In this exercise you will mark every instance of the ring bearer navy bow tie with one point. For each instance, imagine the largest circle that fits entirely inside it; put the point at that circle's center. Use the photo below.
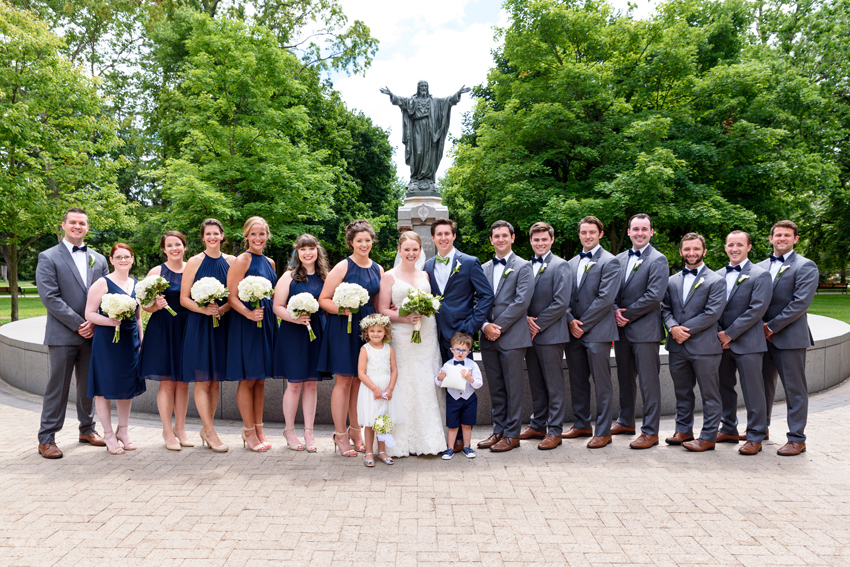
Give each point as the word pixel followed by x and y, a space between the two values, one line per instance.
pixel 693 272
pixel 536 259
pixel 583 255
pixel 458 362
pixel 777 258
pixel 634 253
pixel 442 260
pixel 503 261
pixel 82 248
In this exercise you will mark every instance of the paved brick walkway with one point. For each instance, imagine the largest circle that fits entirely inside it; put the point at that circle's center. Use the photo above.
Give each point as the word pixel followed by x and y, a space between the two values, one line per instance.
pixel 571 506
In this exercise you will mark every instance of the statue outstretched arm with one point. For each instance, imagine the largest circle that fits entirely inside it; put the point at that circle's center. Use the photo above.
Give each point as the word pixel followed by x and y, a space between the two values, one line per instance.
pixel 455 98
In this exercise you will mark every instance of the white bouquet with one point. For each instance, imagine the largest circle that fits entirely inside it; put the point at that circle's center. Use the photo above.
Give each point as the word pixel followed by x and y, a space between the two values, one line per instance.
pixel 253 289
pixel 303 304
pixel 118 306
pixel 383 427
pixel 422 303
pixel 148 289
pixel 350 296
pixel 206 291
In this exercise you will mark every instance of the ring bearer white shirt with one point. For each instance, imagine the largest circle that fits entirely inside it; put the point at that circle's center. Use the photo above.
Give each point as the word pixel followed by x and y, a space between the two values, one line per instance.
pixel 477 380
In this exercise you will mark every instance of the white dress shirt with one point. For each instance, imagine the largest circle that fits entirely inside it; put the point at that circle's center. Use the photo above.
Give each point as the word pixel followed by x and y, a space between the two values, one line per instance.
pixel 582 264
pixel 538 267
pixel 633 259
pixel 732 277
pixel 79 260
pixel 774 266
pixel 442 272
pixel 477 380
pixel 498 272
pixel 689 280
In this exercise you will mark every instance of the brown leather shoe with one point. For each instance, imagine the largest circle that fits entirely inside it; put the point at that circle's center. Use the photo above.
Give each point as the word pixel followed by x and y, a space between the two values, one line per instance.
pixel 726 438
pixel 529 433
pixel 750 448
pixel 93 439
pixel 458 446
pixel 50 451
pixel 699 445
pixel 574 433
pixel 598 442
pixel 679 438
pixel 644 441
pixel 790 449
pixel 620 429
pixel 550 442
pixel 505 444
pixel 490 441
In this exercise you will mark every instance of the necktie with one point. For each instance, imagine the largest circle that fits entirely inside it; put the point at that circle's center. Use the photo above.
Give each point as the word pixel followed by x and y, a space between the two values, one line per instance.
pixel 536 259
pixel 776 258
pixel 583 255
pixel 503 261
pixel 693 272
pixel 442 260
pixel 733 268
pixel 82 248
pixel 634 253
pixel 459 362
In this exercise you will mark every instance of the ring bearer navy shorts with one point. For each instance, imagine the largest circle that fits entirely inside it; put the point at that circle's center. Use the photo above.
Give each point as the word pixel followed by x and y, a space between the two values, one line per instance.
pixel 461 412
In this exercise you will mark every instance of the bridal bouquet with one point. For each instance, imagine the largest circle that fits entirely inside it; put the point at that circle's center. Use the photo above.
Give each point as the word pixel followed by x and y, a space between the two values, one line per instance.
pixel 421 303
pixel 382 427
pixel 254 289
pixel 303 304
pixel 148 289
pixel 350 296
pixel 206 291
pixel 118 306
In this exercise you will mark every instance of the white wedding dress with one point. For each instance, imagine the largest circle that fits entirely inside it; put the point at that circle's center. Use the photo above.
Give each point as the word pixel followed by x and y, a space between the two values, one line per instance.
pixel 422 432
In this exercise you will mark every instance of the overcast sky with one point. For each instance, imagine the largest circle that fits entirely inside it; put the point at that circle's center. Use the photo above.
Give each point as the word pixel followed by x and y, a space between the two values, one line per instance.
pixel 445 42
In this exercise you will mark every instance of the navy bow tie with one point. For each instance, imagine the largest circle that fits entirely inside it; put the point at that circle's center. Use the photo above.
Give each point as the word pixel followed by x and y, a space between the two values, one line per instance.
pixel 583 255
pixel 536 259
pixel 503 261
pixel 82 248
pixel 777 258
pixel 634 253
pixel 733 268
pixel 693 272
pixel 459 362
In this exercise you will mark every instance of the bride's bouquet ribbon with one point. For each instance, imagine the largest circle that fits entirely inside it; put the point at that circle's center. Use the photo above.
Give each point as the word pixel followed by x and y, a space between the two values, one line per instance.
pixel 118 306
pixel 148 289
pixel 421 303
pixel 350 296
pixel 303 304
pixel 253 289
pixel 384 425
pixel 206 291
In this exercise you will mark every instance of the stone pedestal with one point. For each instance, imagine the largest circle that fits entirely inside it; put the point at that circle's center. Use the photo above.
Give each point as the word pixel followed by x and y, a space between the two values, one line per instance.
pixel 417 214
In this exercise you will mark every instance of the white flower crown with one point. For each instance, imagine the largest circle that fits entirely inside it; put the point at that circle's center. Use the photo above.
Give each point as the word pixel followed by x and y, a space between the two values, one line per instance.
pixel 374 319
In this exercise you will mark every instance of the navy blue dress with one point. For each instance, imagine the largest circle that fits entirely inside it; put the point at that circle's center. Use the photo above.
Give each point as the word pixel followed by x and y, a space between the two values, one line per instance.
pixel 250 348
pixel 114 367
pixel 340 350
pixel 296 357
pixel 162 349
pixel 205 346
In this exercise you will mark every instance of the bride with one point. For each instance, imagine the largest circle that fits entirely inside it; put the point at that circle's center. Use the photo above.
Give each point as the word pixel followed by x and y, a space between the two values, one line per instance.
pixel 418 363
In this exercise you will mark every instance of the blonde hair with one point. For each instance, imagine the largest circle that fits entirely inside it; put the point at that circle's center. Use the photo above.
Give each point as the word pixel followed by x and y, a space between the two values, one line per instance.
pixel 378 320
pixel 246 228
pixel 409 235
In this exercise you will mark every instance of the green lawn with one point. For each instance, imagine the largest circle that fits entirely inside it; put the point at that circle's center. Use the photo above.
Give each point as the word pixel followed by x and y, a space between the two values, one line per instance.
pixel 27 307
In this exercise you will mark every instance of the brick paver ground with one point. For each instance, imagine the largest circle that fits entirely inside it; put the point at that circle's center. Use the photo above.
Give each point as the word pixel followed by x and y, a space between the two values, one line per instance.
pixel 571 506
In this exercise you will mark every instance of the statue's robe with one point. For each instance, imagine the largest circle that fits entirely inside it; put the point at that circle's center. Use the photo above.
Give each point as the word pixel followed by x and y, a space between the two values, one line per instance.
pixel 425 127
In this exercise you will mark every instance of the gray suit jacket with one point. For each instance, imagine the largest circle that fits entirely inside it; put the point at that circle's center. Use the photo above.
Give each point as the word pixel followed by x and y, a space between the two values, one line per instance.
pixel 550 301
pixel 513 296
pixel 641 295
pixel 745 307
pixel 793 292
pixel 699 312
pixel 593 302
pixel 64 294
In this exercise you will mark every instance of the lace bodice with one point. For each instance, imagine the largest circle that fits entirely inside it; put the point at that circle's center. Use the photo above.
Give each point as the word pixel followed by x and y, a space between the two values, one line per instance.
pixel 401 288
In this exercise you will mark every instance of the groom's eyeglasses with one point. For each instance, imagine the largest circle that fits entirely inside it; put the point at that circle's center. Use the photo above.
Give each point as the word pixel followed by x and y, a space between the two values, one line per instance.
pixel 460 350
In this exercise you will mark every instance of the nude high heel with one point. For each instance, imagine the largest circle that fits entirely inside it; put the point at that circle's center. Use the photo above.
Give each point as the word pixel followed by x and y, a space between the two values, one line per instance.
pixel 266 443
pixel 171 447
pixel 206 442
pixel 258 448
pixel 298 447
pixel 182 443
pixel 309 448
pixel 349 452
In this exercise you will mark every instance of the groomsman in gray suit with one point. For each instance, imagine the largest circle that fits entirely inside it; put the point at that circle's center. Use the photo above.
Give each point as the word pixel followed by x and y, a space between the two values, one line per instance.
pixel 643 280
pixel 748 291
pixel 63 277
pixel 596 280
pixel 795 281
pixel 505 337
pixel 547 325
pixel 692 305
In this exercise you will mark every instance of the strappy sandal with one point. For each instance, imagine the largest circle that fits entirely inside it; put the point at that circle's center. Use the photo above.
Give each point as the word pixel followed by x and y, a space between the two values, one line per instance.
pixel 387 461
pixel 128 445
pixel 362 448
pixel 258 448
pixel 298 447
pixel 367 461
pixel 266 443
pixel 118 450
pixel 347 453
pixel 309 448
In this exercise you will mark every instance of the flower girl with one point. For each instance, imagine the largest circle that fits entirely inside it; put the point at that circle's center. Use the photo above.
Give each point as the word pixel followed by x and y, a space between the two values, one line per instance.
pixel 378 374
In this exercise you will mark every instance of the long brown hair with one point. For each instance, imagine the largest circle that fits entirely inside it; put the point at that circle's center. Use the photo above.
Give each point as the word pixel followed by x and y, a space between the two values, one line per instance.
pixel 299 272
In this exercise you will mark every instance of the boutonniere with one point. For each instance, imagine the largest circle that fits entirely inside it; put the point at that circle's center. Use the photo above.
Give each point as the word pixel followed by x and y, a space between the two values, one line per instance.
pixel 456 270
pixel 589 265
pixel 91 262
pixel 508 271
pixel 782 269
pixel 742 278
pixel 696 285
pixel 637 265
pixel 542 268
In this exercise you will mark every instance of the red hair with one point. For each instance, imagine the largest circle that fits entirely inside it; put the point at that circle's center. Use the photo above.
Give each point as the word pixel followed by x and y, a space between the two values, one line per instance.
pixel 121 245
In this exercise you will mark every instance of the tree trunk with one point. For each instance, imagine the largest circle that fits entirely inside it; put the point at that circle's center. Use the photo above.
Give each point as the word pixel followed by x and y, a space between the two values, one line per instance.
pixel 10 255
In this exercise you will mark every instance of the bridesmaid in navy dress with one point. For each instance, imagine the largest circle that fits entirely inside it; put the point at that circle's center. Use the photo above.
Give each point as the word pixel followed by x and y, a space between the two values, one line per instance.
pixel 296 357
pixel 340 349
pixel 162 349
pixel 250 348
pixel 114 367
pixel 205 346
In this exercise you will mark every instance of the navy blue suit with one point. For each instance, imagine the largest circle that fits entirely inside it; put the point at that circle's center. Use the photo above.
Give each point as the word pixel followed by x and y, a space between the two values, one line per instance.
pixel 466 300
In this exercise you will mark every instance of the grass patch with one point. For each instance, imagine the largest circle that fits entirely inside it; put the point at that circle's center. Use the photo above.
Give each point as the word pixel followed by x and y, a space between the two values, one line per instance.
pixel 832 305
pixel 27 307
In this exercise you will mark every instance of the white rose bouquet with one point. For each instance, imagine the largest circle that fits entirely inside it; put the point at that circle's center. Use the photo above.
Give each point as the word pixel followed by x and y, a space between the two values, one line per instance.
pixel 118 306
pixel 206 291
pixel 350 296
pixel 421 303
pixel 303 304
pixel 383 427
pixel 148 289
pixel 253 289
